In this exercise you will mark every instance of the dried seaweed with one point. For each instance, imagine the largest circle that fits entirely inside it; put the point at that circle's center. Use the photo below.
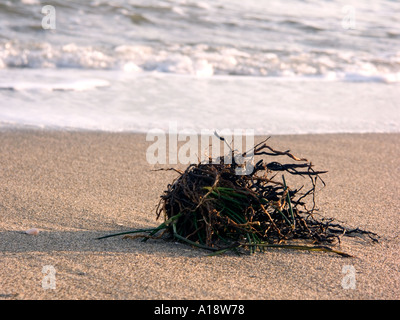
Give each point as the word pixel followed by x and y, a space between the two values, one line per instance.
pixel 212 207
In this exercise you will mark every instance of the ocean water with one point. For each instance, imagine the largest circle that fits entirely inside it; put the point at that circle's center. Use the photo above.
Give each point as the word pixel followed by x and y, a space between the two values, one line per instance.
pixel 278 67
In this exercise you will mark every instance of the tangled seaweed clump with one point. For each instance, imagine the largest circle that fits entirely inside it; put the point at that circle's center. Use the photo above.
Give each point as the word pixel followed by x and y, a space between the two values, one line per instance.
pixel 211 206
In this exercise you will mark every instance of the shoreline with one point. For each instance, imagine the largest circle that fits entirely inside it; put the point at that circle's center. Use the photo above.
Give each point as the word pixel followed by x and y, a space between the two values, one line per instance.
pixel 78 185
pixel 13 127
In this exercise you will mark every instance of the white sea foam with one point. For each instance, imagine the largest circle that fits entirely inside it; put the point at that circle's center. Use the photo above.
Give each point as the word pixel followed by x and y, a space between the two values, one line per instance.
pixel 120 101
pixel 201 60
pixel 72 85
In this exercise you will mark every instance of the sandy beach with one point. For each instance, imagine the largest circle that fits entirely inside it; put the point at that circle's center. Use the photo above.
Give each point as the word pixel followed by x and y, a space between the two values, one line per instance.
pixel 76 186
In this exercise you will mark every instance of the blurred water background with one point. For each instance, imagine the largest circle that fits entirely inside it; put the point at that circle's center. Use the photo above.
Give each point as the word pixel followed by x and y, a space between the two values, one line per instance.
pixel 278 67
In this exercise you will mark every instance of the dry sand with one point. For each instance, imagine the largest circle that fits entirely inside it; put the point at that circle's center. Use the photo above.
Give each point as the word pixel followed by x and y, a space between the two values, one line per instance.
pixel 75 187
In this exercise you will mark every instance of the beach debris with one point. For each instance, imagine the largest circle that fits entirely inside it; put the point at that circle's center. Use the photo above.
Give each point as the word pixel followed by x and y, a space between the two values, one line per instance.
pixel 32 231
pixel 210 206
